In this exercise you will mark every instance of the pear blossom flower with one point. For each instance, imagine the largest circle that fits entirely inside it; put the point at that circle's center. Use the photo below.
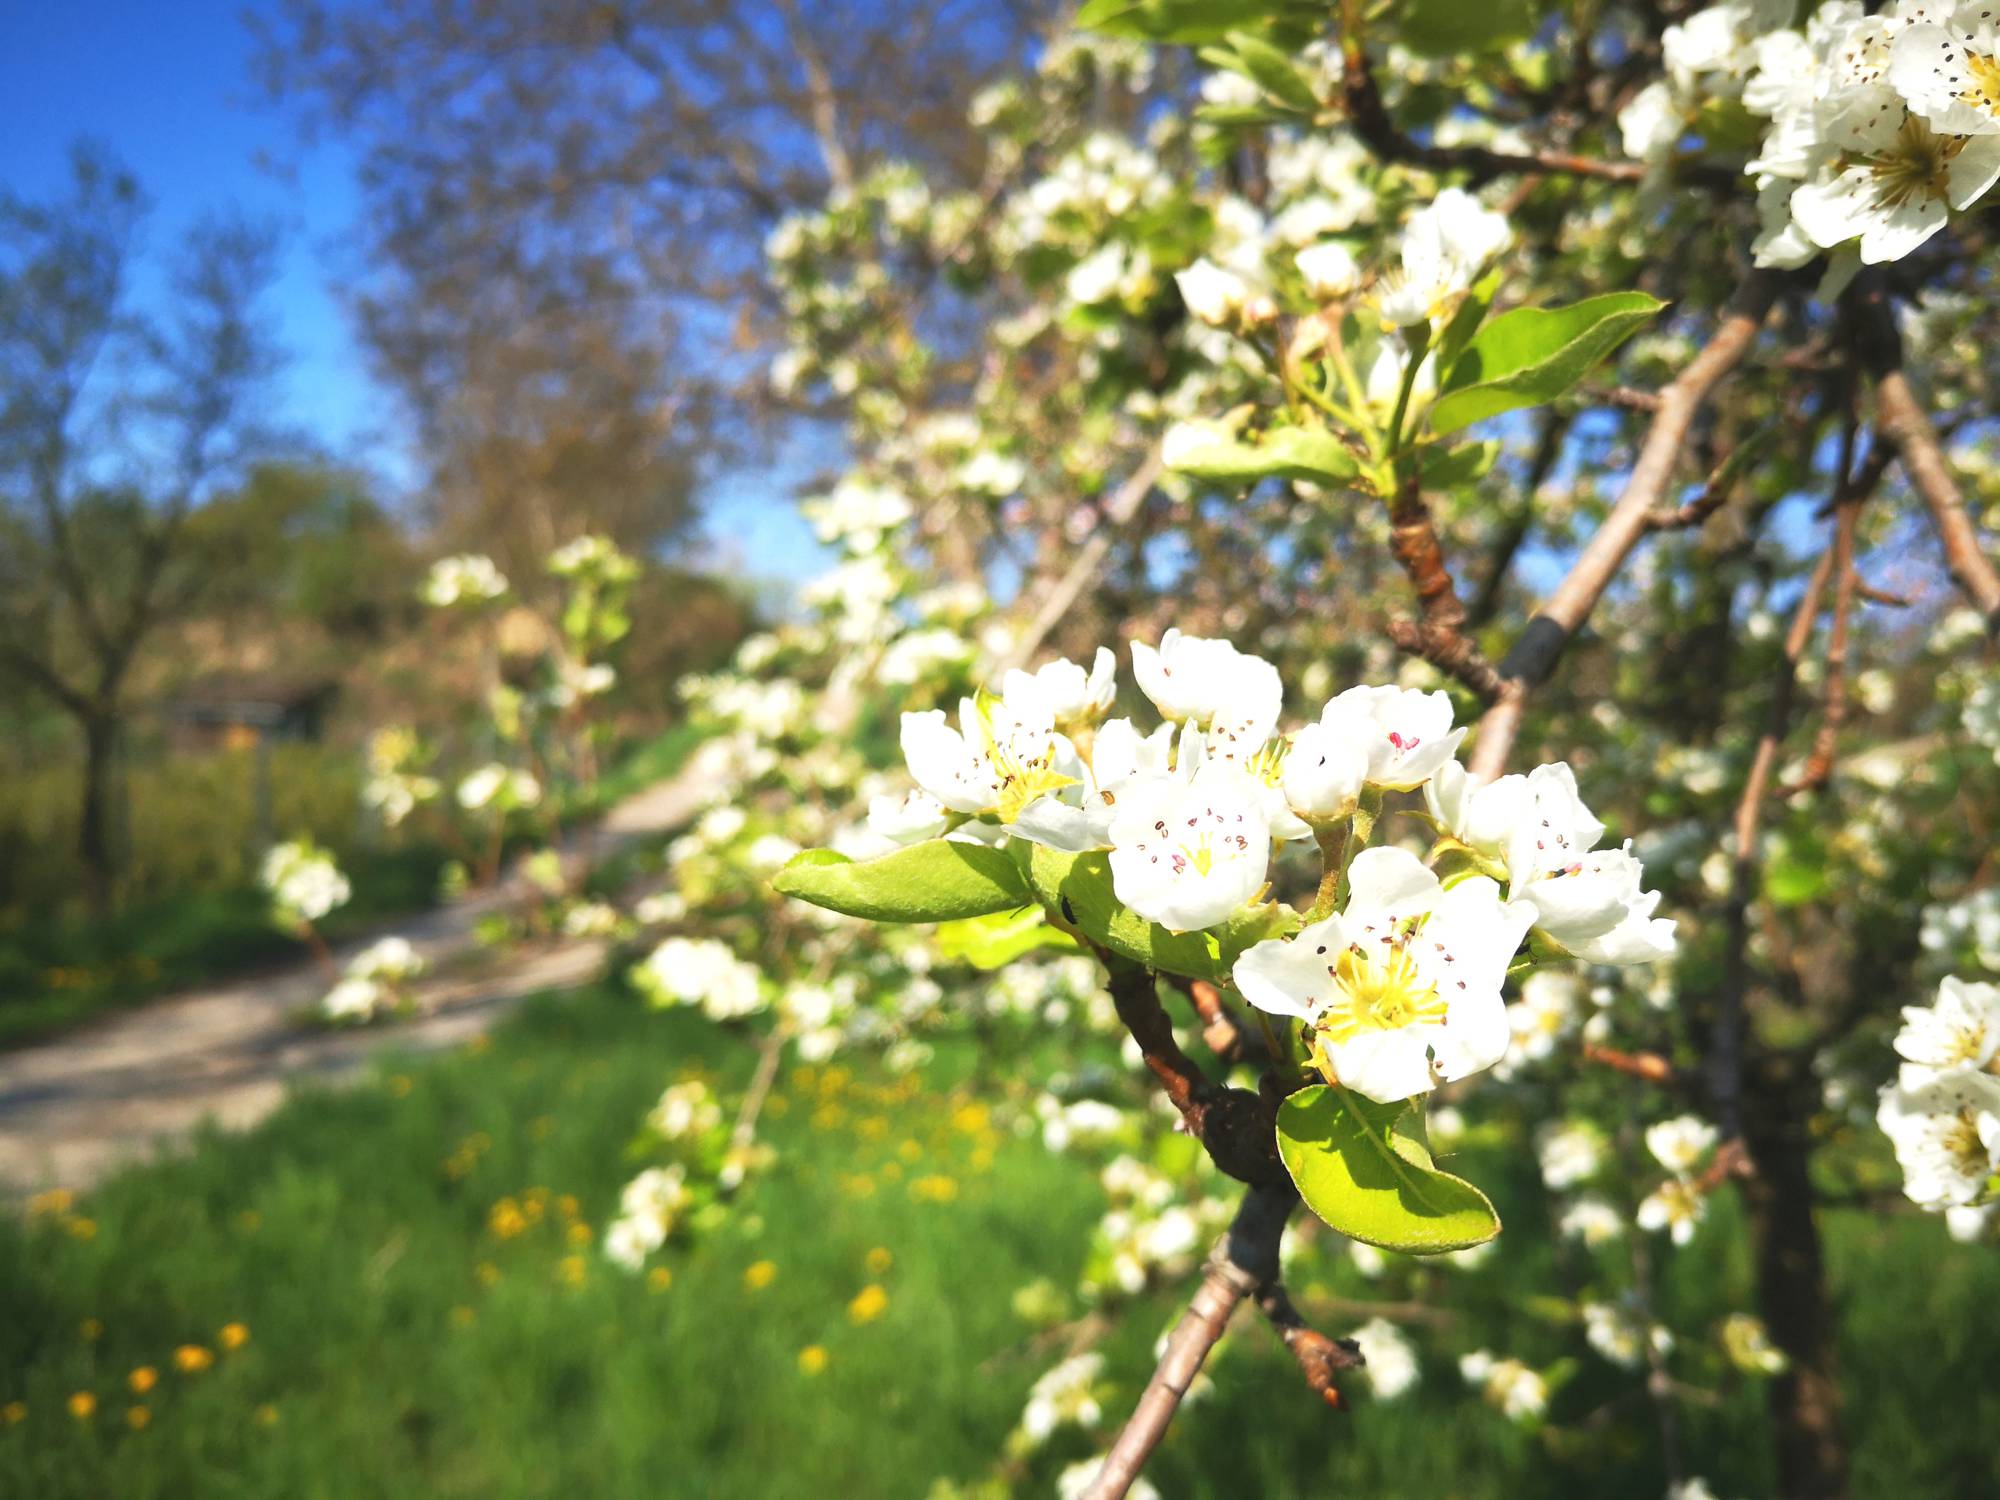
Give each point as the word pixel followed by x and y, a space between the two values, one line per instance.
pixel 1004 755
pixel 1390 1361
pixel 1402 988
pixel 304 882
pixel 685 1109
pixel 1568 1153
pixel 1407 734
pixel 495 784
pixel 1680 1144
pixel 1234 696
pixel 1946 1135
pixel 1120 760
pixel 1445 246
pixel 700 971
pixel 1216 296
pixel 1325 772
pixel 1896 182
pixel 1071 695
pixel 1587 900
pixel 469 578
pixel 1329 269
pixel 1189 854
pixel 1947 67
pixel 353 999
pixel 1518 1391
pixel 1065 1395
pixel 1592 1220
pixel 1676 1206
pixel 1959 1033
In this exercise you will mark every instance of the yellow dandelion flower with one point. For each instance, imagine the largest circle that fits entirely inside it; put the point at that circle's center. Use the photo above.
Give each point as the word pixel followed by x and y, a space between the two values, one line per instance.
pixel 869 1304
pixel 83 1229
pixel 233 1336
pixel 506 1219
pixel 659 1279
pixel 400 1085
pixel 910 1151
pixel 759 1275
pixel 486 1273
pixel 939 1189
pixel 892 1171
pixel 14 1412
pixel 540 1126
pixel 54 1201
pixel 879 1260
pixel 91 1329
pixel 579 1234
pixel 266 1415
pixel 192 1359
pixel 812 1359
pixel 463 1317
pixel 568 1206
pixel 83 1406
pixel 142 1379
pixel 970 1118
pixel 777 1104
pixel 136 1417
pixel 572 1270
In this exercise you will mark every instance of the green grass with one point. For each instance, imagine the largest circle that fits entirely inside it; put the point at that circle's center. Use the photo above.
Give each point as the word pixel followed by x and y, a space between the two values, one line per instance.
pixel 348 1233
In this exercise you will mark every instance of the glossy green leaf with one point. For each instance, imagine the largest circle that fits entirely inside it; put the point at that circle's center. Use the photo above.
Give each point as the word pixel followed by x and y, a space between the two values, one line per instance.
pixel 1358 1166
pixel 1273 71
pixel 1078 887
pixel 995 940
pixel 940 880
pixel 1208 450
pixel 1533 354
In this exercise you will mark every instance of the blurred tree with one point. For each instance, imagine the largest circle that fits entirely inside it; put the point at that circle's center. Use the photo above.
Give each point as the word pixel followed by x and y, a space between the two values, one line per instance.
pixel 305 541
pixel 560 198
pixel 113 427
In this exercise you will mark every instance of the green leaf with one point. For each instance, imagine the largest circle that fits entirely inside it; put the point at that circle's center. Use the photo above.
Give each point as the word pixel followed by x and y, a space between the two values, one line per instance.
pixel 1273 71
pixel 1359 1168
pixel 1078 887
pixel 940 880
pixel 1534 354
pixel 995 940
pixel 1444 469
pixel 1448 28
pixel 1208 450
pixel 1192 22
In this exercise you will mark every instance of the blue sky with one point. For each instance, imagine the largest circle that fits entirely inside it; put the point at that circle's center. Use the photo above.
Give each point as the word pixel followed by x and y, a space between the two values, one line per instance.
pixel 166 85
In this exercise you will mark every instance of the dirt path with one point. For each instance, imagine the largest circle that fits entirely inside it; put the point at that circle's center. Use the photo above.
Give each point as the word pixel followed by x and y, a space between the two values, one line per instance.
pixel 75 1108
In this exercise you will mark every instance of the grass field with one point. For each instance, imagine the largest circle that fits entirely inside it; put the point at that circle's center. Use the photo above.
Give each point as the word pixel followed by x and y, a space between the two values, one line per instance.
pixel 395 1345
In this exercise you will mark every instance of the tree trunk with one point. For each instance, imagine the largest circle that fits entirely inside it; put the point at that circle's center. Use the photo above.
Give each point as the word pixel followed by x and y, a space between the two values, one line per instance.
pixel 1804 1402
pixel 94 843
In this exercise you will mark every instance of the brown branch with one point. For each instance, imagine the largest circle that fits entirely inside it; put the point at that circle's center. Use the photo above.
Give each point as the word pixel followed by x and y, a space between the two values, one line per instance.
pixel 1439 635
pixel 1873 595
pixel 1320 1359
pixel 1649 1066
pixel 1536 652
pixel 1237 1128
pixel 1243 1265
pixel 1222 1029
pixel 1369 118
pixel 1819 765
pixel 1901 419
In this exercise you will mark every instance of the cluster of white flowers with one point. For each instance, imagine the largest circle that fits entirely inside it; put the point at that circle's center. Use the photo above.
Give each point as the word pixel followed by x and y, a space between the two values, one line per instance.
pixel 1677 1205
pixel 1942 1113
pixel 1148 1233
pixel 648 1209
pixel 1446 244
pixel 304 882
pixel 1391 1361
pixel 374 980
pixel 500 787
pixel 596 558
pixel 1067 1395
pixel 1881 124
pixel 686 1110
pixel 1515 1388
pixel 469 578
pixel 1967 928
pixel 703 972
pixel 1402 987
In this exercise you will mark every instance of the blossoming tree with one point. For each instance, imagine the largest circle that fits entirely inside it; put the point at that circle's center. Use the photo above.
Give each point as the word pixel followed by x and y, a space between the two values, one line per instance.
pixel 1398 389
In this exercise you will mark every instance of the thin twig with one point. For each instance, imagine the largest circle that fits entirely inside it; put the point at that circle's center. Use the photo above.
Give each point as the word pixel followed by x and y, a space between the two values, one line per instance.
pixel 1439 634
pixel 1540 645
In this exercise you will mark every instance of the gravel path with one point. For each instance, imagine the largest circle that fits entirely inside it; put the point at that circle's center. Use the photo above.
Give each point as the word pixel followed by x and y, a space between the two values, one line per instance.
pixel 75 1108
